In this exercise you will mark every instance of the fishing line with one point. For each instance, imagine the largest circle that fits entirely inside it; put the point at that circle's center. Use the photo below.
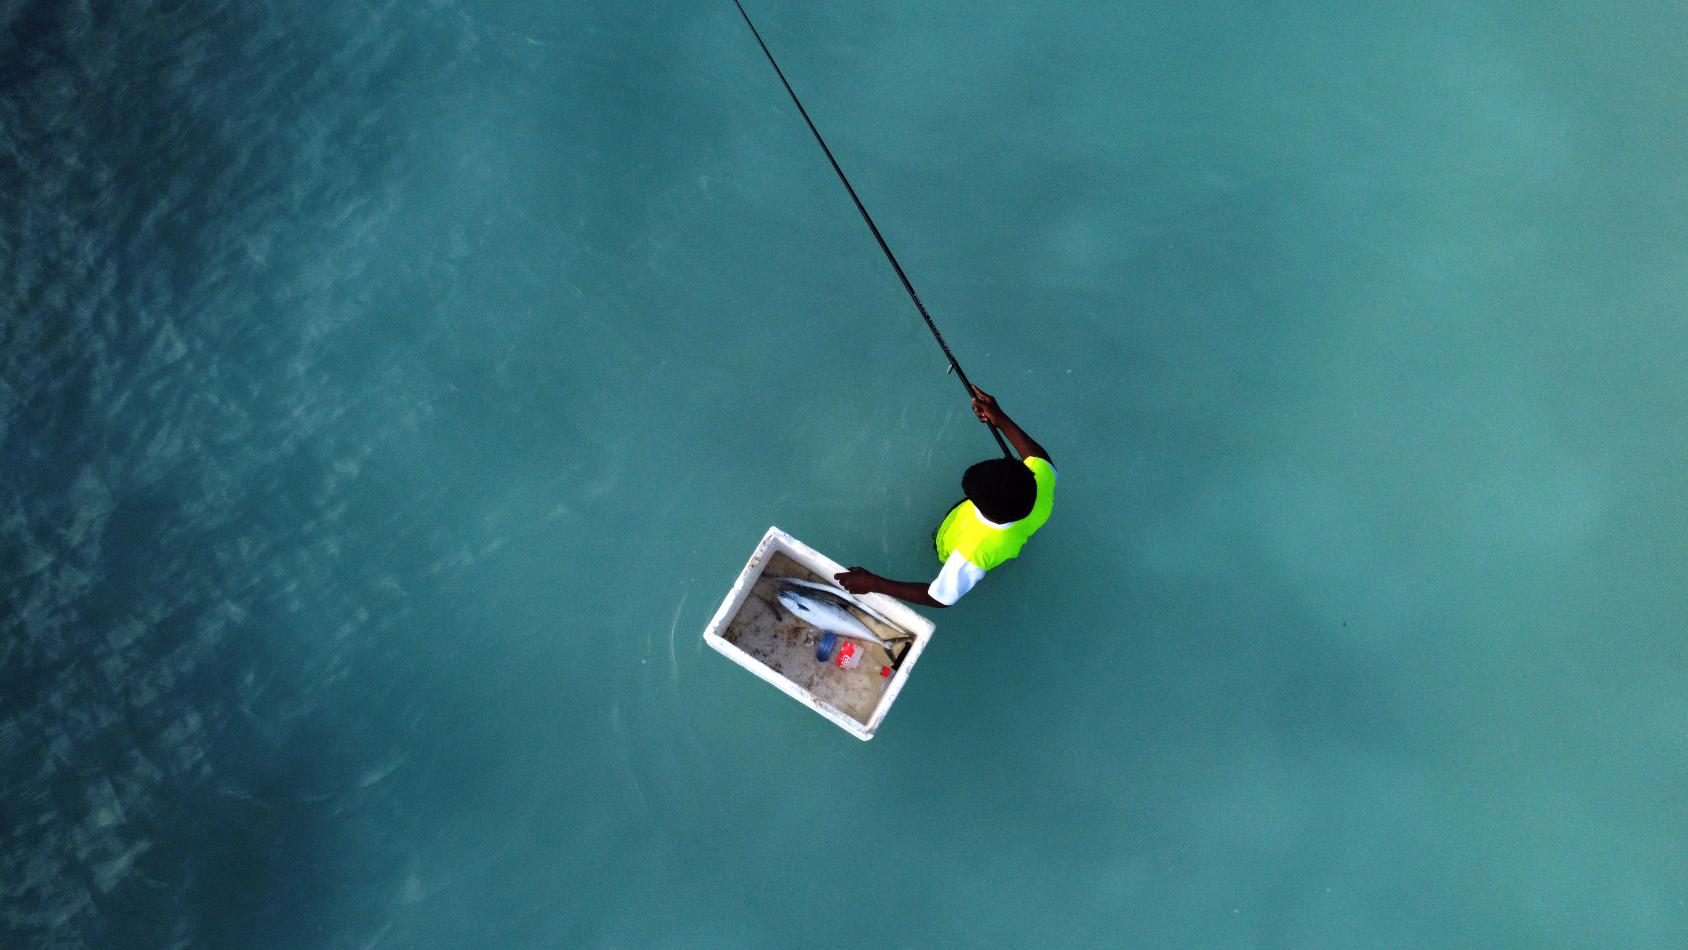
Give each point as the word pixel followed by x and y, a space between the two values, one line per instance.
pixel 954 366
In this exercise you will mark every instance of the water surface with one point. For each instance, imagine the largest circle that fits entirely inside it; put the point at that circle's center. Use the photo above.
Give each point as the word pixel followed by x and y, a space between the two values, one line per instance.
pixel 389 393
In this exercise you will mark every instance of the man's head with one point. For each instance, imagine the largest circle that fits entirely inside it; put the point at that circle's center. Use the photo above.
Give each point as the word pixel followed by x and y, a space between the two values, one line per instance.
pixel 1002 489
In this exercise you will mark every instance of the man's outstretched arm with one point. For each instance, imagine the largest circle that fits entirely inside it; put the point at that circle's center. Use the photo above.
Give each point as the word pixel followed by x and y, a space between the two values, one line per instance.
pixel 860 580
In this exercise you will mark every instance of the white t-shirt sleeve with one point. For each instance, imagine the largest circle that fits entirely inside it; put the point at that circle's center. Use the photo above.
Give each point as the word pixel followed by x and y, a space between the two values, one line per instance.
pixel 957 578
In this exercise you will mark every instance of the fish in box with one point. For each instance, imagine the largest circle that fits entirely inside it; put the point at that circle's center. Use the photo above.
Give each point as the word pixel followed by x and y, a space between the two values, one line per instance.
pixel 754 630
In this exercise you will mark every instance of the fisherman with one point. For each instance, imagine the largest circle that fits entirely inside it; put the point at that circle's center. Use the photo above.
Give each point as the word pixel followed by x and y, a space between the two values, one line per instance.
pixel 1007 501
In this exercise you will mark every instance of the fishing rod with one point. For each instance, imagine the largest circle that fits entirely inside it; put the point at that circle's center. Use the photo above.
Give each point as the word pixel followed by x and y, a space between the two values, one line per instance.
pixel 954 366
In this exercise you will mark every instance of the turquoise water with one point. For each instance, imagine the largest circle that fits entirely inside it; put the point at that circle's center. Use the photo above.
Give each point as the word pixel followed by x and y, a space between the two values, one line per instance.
pixel 390 392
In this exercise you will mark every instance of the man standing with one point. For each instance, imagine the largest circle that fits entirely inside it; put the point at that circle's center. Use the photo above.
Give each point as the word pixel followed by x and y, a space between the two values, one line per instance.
pixel 1007 501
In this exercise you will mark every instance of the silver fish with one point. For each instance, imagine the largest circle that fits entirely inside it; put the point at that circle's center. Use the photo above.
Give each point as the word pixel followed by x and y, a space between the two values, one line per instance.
pixel 840 596
pixel 826 615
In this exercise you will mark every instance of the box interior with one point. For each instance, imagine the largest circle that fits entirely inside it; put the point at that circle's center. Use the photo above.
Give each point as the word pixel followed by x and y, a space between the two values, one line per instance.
pixel 768 632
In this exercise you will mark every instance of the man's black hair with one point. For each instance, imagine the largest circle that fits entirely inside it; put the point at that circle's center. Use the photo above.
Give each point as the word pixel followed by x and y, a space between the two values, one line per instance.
pixel 1002 489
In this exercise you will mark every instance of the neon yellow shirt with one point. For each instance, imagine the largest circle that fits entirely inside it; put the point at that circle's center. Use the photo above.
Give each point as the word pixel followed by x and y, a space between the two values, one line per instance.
pixel 969 544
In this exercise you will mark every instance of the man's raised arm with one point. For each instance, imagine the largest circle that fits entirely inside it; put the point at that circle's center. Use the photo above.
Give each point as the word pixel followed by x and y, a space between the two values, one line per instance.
pixel 985 407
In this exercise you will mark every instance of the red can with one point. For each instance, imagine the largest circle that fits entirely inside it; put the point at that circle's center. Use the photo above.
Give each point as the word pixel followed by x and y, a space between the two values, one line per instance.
pixel 849 655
